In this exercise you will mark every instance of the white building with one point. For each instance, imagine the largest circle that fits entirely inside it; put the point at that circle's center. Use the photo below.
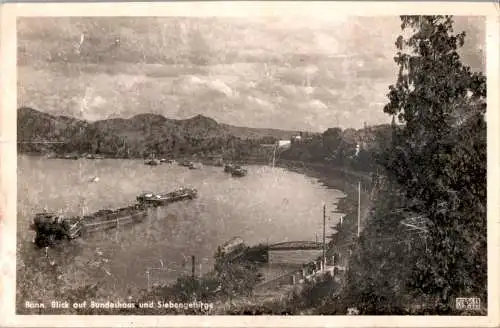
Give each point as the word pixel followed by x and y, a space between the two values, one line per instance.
pixel 284 144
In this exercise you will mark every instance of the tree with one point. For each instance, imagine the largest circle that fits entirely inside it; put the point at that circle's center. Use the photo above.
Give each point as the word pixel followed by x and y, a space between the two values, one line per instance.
pixel 439 154
pixel 332 138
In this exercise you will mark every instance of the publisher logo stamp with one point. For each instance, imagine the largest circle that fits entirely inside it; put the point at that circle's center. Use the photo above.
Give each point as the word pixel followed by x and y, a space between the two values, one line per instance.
pixel 468 303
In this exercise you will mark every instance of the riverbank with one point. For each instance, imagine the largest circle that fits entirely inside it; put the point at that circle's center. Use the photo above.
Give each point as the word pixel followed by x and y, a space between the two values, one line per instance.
pixel 302 298
pixel 139 170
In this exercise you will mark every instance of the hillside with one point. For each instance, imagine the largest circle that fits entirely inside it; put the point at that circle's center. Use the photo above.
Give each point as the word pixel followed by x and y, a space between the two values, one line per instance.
pixel 135 137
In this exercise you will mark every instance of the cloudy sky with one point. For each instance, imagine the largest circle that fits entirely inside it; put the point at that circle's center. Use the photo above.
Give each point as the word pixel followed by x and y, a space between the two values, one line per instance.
pixel 298 73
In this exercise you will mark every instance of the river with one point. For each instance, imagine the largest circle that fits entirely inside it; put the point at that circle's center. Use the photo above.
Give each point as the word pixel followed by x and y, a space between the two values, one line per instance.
pixel 268 205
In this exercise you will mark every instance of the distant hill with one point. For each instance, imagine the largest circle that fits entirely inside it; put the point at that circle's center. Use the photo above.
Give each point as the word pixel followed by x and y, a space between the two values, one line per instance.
pixel 136 136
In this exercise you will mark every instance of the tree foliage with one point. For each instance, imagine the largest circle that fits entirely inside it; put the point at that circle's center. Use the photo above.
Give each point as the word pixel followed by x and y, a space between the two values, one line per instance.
pixel 438 154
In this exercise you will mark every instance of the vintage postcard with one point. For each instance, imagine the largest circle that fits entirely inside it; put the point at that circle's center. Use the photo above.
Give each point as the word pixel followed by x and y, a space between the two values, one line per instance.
pixel 249 164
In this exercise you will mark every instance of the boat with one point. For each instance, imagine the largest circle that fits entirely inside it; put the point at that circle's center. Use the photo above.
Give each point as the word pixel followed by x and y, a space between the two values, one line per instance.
pixel 52 228
pixel 186 164
pixel 232 245
pixel 152 162
pixel 239 172
pixel 94 156
pixel 157 199
pixel 64 156
pixel 194 166
pixel 219 163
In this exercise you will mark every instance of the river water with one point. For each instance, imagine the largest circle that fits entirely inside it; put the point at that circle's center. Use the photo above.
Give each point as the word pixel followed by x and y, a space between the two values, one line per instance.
pixel 268 205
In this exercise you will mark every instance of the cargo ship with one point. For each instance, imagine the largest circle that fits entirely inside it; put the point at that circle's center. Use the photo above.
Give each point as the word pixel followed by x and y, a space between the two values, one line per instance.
pixel 52 228
pixel 155 199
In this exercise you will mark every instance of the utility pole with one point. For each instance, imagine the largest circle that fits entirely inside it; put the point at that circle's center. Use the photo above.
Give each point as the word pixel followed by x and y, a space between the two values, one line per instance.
pixel 359 206
pixel 324 235
pixel 192 266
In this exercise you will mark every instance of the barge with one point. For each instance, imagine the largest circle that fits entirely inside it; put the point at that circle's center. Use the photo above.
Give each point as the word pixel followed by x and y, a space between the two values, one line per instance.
pixel 52 228
pixel 155 199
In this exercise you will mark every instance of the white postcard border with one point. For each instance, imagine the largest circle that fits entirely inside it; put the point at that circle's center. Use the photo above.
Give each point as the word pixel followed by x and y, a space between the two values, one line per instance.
pixel 322 10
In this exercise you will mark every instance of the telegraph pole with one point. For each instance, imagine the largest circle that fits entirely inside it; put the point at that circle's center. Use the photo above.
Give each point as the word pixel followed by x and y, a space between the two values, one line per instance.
pixel 192 267
pixel 324 235
pixel 359 206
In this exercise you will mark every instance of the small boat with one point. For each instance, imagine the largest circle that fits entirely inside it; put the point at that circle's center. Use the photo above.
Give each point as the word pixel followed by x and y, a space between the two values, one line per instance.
pixel 64 156
pixel 232 245
pixel 194 166
pixel 94 156
pixel 152 162
pixel 239 172
pixel 186 164
pixel 163 199
pixel 70 156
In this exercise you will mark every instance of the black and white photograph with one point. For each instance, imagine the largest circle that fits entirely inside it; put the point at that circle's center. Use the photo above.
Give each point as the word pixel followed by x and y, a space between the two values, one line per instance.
pixel 281 165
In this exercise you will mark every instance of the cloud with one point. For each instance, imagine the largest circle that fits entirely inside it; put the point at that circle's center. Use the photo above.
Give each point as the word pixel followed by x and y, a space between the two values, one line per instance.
pixel 292 73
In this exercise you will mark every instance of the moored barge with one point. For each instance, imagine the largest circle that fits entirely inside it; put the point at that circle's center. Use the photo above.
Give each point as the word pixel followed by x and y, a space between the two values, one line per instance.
pixel 52 228
pixel 155 199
